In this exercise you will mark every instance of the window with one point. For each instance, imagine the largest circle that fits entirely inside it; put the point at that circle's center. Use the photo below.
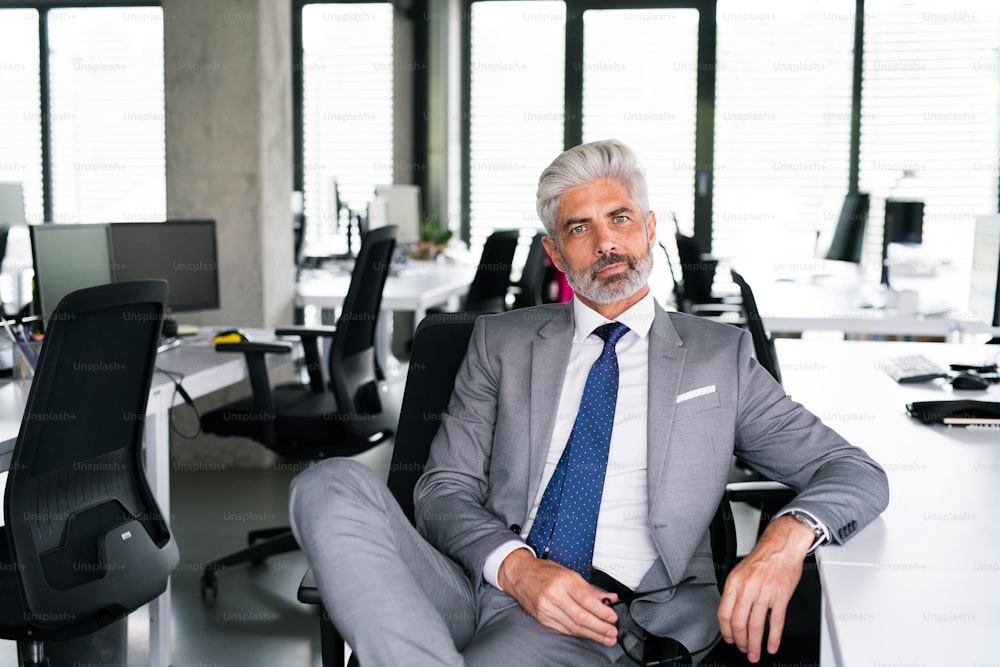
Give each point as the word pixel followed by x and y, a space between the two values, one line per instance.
pixel 107 114
pixel 929 105
pixel 645 95
pixel 782 125
pixel 516 110
pixel 347 64
pixel 20 114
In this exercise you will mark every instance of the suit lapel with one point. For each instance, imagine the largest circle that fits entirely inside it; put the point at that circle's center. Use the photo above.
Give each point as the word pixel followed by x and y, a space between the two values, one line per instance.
pixel 549 356
pixel 666 363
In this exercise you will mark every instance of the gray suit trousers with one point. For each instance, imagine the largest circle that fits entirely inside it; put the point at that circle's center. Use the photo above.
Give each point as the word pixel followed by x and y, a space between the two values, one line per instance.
pixel 396 600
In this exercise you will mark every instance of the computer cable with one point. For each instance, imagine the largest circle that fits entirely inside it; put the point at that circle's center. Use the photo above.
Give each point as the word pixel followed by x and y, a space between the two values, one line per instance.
pixel 178 379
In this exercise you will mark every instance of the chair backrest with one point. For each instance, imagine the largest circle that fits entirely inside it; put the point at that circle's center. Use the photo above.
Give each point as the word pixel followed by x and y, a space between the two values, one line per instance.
pixel 532 282
pixel 352 365
pixel 849 236
pixel 763 344
pixel 488 290
pixel 86 535
pixel 439 346
pixel 697 271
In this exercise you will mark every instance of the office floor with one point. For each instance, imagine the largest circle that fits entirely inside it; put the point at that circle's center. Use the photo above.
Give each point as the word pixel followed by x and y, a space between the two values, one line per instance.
pixel 255 620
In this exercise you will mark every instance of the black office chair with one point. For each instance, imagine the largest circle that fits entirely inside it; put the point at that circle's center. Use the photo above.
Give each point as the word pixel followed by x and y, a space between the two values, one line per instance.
pixel 84 542
pixel 694 293
pixel 763 343
pixel 344 414
pixel 488 290
pixel 439 347
pixel 529 290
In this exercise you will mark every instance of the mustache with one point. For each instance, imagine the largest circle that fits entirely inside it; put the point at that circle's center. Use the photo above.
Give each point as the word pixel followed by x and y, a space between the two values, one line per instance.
pixel 614 258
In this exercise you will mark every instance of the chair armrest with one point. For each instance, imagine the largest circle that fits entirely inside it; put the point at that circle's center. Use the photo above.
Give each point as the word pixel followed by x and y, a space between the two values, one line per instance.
pixel 253 347
pixel 310 350
pixel 308 591
pixel 260 384
pixel 305 331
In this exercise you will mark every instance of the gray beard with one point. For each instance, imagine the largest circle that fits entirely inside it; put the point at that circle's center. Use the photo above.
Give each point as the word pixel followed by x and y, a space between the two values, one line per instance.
pixel 614 288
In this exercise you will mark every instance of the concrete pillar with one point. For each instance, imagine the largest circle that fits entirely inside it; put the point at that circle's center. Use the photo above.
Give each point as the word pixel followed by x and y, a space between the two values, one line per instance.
pixel 227 68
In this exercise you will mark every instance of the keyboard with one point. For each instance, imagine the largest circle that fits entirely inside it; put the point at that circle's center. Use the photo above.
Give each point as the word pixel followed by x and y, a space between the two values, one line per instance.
pixel 913 368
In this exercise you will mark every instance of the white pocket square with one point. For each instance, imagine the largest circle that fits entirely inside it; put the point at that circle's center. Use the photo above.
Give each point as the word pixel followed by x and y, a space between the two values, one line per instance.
pixel 695 393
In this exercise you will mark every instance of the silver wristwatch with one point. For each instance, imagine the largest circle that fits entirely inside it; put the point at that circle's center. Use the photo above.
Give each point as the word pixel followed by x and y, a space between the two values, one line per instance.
pixel 812 524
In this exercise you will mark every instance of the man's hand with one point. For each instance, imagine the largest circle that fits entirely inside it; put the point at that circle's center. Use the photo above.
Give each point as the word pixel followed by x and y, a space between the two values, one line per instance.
pixel 558 597
pixel 764 581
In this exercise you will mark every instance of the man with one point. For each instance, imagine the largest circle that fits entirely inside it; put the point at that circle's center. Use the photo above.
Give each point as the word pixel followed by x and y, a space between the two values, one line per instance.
pixel 580 462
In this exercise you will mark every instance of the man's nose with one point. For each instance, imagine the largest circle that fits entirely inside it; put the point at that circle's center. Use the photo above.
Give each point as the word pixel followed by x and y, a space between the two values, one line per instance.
pixel 607 240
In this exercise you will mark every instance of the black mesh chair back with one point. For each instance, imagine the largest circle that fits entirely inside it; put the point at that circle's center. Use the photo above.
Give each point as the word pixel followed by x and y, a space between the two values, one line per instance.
pixel 84 541
pixel 488 290
pixel 352 367
pixel 531 286
pixel 763 344
pixel 439 347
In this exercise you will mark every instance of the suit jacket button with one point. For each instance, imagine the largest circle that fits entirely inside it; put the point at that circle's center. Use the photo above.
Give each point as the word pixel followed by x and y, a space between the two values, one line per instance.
pixel 516 529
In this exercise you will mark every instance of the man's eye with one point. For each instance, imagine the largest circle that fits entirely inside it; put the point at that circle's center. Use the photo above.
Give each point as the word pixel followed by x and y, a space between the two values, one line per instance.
pixel 621 218
pixel 577 230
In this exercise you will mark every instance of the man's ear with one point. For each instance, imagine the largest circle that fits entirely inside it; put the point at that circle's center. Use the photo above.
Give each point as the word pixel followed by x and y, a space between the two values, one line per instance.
pixel 553 252
pixel 651 227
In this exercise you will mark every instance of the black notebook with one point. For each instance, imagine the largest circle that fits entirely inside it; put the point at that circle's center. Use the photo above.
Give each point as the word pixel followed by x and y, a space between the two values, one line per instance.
pixel 957 412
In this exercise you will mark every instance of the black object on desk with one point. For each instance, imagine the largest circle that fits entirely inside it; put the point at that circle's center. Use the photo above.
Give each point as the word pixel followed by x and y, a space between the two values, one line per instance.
pixel 961 412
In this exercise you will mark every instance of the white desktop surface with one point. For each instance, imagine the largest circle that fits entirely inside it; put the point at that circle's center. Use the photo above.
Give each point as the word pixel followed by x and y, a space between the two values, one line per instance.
pixel 807 295
pixel 204 371
pixel 920 585
pixel 418 286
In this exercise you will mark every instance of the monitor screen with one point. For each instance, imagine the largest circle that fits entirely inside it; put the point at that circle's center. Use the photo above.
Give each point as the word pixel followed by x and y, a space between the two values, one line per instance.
pixel 66 258
pixel 403 210
pixel 904 221
pixel 984 285
pixel 182 252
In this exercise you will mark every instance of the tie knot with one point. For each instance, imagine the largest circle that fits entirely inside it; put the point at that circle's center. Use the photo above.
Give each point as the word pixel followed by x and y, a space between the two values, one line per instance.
pixel 611 332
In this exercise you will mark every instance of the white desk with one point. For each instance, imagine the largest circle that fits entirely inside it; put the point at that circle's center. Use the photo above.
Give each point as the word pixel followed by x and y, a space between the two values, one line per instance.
pixel 920 584
pixel 204 371
pixel 812 295
pixel 422 285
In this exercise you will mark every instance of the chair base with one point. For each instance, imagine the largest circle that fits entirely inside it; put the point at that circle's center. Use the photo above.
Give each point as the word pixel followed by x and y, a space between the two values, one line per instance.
pixel 263 543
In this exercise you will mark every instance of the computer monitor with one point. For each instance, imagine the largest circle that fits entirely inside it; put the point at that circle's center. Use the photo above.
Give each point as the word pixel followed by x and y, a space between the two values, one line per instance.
pixel 984 283
pixel 403 209
pixel 68 257
pixel 849 236
pixel 904 221
pixel 11 203
pixel 182 252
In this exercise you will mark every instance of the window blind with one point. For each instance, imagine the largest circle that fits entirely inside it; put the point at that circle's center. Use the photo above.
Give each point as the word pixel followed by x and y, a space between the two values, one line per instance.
pixel 929 105
pixel 782 125
pixel 516 110
pixel 20 114
pixel 108 122
pixel 347 113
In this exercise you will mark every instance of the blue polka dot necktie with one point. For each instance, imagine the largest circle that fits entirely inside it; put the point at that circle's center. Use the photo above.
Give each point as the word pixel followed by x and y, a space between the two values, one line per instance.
pixel 566 522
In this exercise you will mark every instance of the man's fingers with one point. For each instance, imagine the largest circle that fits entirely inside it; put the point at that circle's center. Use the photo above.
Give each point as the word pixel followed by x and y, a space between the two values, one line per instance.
pixel 777 628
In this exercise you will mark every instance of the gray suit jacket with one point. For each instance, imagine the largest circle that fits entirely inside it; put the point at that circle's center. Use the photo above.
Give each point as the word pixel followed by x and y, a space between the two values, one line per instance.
pixel 485 464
